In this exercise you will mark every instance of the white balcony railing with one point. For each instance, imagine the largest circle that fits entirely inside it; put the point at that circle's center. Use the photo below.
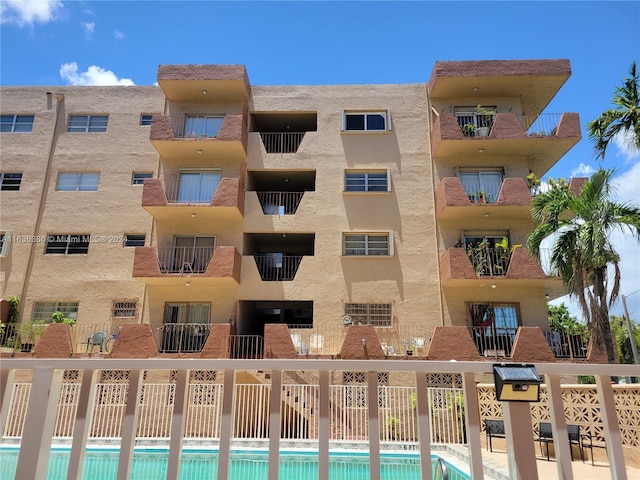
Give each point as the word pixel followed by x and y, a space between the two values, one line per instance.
pixel 368 415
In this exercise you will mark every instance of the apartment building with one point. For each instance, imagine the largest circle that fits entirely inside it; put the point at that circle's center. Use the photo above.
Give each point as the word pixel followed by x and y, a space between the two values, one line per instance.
pixel 208 200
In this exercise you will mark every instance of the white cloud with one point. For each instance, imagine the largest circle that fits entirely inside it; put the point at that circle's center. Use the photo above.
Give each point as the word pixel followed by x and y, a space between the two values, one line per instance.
pixel 583 170
pixel 93 76
pixel 626 147
pixel 118 35
pixel 88 28
pixel 28 12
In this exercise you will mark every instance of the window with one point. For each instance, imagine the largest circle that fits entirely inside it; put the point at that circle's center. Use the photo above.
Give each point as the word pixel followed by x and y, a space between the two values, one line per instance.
pixel 377 314
pixel 372 181
pixel 124 308
pixel 43 311
pixel 146 119
pixel 16 123
pixel 195 312
pixel 134 240
pixel 196 187
pixel 10 181
pixel 202 126
pixel 68 244
pixel 138 177
pixel 481 186
pixel 5 241
pixel 368 244
pixel 365 121
pixel 78 182
pixel 87 123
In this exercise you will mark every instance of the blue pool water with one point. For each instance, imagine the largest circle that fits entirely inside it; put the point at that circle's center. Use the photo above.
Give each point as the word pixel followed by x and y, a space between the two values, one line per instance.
pixel 152 464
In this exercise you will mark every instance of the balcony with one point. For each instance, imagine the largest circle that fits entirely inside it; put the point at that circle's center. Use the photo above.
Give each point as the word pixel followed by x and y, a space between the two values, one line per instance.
pixel 199 136
pixel 277 267
pixel 177 265
pixel 279 203
pixel 200 83
pixel 283 133
pixel 281 142
pixel 519 269
pixel 535 82
pixel 210 200
pixel 502 198
pixel 543 139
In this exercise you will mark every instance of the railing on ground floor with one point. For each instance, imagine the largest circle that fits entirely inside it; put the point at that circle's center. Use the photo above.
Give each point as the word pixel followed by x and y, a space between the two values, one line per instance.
pixel 326 415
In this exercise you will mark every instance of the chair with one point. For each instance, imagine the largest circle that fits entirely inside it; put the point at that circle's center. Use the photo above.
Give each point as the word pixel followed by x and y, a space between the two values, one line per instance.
pixel 297 340
pixel 97 339
pixel 493 429
pixel 545 435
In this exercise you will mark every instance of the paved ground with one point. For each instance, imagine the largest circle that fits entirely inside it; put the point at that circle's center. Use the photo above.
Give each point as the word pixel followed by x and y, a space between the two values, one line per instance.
pixel 547 470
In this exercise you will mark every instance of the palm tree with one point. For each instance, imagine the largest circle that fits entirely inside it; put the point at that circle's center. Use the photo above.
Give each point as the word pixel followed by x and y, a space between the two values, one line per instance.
pixel 624 119
pixel 582 252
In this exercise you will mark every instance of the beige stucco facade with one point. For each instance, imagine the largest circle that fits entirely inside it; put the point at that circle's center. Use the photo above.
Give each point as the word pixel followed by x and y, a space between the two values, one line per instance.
pixel 422 211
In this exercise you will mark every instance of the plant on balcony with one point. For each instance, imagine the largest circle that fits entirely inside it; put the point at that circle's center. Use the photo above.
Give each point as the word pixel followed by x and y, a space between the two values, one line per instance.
pixel 533 183
pixel 469 130
pixel 479 256
pixel 28 333
pixel 480 196
pixel 58 317
pixel 484 120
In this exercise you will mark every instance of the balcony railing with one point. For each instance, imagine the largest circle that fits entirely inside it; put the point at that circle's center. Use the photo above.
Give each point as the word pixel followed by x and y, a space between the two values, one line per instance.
pixel 482 190
pixel 567 344
pixel 246 346
pixel 488 261
pixel 542 125
pixel 494 341
pixel 190 192
pixel 184 259
pixel 282 142
pixel 182 337
pixel 277 267
pixel 371 417
pixel 279 203
pixel 196 127
pixel 471 123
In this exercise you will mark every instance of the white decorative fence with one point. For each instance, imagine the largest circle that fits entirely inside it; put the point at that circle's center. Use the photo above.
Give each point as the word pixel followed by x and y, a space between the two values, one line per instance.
pixel 356 410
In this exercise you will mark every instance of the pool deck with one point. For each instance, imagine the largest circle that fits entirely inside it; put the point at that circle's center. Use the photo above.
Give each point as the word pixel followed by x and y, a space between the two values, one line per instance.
pixel 496 462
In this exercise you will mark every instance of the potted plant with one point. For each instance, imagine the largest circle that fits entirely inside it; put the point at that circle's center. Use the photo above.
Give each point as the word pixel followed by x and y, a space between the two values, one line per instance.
pixel 469 130
pixel 480 196
pixel 484 120
pixel 29 333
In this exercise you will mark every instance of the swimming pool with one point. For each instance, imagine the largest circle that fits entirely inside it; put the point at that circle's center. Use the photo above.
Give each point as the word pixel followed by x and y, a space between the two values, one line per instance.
pixel 152 464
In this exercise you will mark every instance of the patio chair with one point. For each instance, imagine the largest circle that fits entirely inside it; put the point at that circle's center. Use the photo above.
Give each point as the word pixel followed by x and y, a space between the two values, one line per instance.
pixel 97 339
pixel 545 435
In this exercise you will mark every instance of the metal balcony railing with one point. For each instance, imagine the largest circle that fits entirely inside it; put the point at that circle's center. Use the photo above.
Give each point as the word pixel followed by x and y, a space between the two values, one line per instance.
pixel 282 142
pixel 489 262
pixel 566 344
pixel 471 122
pixel 182 337
pixel 190 191
pixel 482 189
pixel 543 125
pixel 184 259
pixel 246 346
pixel 277 267
pixel 494 341
pixel 196 127
pixel 279 203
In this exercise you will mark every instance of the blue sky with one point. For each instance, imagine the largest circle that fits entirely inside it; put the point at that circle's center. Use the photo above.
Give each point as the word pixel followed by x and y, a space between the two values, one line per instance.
pixel 60 42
